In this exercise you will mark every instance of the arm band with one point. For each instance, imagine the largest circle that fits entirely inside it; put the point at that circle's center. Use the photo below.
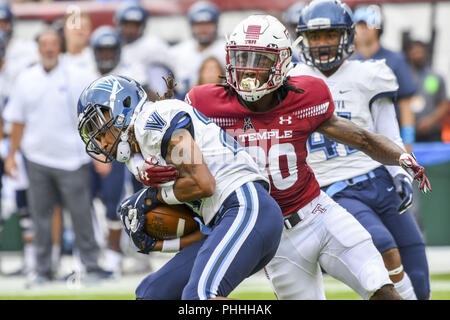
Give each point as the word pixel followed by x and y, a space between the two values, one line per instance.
pixel 172 245
pixel 408 134
pixel 169 196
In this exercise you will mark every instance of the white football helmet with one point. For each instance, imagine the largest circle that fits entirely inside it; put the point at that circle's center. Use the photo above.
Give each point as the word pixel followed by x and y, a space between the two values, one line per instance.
pixel 258 57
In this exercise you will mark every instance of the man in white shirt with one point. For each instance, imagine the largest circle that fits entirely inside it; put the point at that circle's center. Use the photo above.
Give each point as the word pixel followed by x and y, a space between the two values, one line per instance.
pixel 42 110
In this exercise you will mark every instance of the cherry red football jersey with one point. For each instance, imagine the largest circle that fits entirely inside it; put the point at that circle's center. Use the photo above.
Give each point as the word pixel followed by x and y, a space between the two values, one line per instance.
pixel 276 138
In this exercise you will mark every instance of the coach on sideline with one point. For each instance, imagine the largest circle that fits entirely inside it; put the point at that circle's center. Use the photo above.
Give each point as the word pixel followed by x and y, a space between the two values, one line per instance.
pixel 42 110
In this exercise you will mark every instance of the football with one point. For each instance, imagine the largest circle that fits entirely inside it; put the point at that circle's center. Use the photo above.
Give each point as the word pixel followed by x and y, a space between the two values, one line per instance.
pixel 166 222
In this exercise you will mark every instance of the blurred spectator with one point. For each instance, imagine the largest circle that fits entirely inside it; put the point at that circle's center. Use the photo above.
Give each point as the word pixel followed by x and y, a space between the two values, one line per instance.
pixel 432 106
pixel 21 53
pixel 16 55
pixel 203 17
pixel 211 71
pixel 290 18
pixel 77 54
pixel 108 179
pixel 41 109
pixel 150 51
pixel 369 28
pixel 3 144
pixel 76 41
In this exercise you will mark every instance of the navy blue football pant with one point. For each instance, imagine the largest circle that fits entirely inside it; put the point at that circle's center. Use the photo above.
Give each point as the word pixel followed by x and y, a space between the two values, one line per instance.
pixel 109 189
pixel 374 203
pixel 245 236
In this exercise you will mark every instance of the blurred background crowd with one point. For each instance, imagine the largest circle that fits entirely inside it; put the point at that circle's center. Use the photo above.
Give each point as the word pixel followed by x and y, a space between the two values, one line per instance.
pixel 56 200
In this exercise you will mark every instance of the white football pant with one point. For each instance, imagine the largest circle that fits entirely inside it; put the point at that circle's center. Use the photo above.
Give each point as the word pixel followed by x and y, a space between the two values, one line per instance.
pixel 331 238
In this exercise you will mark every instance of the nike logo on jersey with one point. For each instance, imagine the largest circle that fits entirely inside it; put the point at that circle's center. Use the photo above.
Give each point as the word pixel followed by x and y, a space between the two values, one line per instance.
pixel 344 91
pixel 390 189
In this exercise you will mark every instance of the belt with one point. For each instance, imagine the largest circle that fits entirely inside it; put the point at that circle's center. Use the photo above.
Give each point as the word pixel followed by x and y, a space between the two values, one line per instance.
pixel 338 186
pixel 293 219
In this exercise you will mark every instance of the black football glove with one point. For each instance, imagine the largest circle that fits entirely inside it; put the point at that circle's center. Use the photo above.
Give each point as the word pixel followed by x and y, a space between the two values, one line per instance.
pixel 132 213
pixel 404 189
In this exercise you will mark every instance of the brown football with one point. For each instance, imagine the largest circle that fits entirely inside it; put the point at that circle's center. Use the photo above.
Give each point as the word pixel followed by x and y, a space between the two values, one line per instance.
pixel 166 222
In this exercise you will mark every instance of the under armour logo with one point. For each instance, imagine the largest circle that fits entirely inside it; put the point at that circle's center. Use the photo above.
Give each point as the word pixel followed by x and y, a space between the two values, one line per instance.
pixel 248 125
pixel 288 120
pixel 318 209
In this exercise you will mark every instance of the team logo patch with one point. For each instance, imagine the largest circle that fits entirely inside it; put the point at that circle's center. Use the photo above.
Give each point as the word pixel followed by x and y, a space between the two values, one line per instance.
pixel 155 122
pixel 107 84
pixel 318 209
pixel 252 32
pixel 248 125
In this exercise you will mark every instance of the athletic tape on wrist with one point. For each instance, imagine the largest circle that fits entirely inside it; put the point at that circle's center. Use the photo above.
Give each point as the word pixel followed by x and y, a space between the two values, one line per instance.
pixel 396 271
pixel 169 196
pixel 172 245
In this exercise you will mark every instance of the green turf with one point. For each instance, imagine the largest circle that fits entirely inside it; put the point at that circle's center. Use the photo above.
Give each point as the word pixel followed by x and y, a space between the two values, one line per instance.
pixel 439 292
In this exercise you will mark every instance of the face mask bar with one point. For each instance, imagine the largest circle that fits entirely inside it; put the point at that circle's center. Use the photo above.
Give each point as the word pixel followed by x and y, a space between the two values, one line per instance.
pixel 247 64
pixel 334 52
pixel 93 127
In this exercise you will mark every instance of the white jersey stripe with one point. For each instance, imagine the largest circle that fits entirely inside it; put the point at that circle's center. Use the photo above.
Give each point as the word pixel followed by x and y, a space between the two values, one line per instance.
pixel 228 247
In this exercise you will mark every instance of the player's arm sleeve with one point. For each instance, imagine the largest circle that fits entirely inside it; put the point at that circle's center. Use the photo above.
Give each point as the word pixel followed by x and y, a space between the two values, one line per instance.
pixel 385 122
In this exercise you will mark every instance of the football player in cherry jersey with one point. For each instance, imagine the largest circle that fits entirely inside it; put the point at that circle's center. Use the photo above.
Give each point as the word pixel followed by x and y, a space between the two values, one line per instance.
pixel 363 92
pixel 273 116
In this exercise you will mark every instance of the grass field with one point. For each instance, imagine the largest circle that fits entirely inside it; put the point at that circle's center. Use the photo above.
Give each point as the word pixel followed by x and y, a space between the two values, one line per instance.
pixel 440 286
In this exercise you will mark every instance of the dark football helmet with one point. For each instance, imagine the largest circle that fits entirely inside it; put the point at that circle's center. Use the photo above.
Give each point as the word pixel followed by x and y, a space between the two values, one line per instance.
pixel 105 42
pixel 326 15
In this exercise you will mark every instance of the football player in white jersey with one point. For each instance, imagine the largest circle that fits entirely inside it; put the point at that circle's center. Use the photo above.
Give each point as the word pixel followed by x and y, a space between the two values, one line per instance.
pixel 363 92
pixel 151 52
pixel 217 179
pixel 189 54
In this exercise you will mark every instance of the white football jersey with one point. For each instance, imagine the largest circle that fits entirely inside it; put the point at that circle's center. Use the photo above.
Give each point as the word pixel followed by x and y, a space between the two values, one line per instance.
pixel 147 50
pixel 135 71
pixel 188 60
pixel 230 165
pixel 355 86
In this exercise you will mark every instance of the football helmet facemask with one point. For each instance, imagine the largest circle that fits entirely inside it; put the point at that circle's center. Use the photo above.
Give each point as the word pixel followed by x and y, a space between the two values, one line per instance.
pixel 326 15
pixel 258 56
pixel 109 105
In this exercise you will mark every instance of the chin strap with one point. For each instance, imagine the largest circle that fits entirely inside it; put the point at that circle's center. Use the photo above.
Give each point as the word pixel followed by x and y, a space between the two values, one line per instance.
pixel 296 42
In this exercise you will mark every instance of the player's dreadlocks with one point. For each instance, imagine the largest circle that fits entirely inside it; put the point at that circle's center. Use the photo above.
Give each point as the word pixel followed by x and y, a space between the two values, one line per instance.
pixel 170 84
